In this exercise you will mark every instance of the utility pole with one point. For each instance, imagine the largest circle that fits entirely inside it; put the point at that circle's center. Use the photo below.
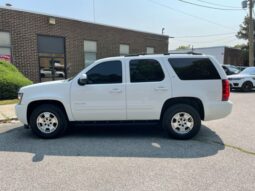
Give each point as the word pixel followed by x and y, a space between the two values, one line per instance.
pixel 251 35
pixel 94 11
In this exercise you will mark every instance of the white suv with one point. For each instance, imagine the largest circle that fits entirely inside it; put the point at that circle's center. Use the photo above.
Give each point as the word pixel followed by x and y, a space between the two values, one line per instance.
pixel 245 80
pixel 177 90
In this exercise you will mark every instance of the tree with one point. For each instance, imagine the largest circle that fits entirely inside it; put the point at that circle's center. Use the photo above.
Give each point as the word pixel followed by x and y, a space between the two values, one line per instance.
pixel 243 34
pixel 244 29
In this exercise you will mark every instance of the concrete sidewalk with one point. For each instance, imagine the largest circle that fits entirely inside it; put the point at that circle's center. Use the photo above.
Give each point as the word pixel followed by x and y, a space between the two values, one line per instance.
pixel 7 112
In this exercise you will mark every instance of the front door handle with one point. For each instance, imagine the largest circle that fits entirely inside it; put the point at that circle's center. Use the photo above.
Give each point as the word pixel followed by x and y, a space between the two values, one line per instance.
pixel 161 88
pixel 116 90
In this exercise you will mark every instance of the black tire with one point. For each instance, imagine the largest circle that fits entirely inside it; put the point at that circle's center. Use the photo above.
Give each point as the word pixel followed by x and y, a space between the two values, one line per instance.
pixel 231 87
pixel 179 108
pixel 59 114
pixel 247 86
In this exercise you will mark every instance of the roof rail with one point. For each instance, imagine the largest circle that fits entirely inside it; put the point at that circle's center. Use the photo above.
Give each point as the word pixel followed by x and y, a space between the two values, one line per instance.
pixel 188 52
pixel 129 55
pixel 141 54
pixel 168 53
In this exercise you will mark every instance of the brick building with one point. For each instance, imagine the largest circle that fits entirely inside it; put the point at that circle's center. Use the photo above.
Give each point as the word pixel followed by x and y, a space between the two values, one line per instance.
pixel 224 54
pixel 46 47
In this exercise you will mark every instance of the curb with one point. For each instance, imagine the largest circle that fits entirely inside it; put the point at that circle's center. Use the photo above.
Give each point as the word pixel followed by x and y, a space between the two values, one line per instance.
pixel 8 120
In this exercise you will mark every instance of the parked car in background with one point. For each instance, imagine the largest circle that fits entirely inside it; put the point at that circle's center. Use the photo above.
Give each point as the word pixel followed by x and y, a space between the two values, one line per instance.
pixel 245 80
pixel 177 91
pixel 241 68
pixel 47 73
pixel 231 69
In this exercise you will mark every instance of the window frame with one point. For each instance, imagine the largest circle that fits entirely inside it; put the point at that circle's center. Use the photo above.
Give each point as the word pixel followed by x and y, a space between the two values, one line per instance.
pixel 148 47
pixel 157 60
pixel 10 46
pixel 124 44
pixel 122 73
pixel 91 52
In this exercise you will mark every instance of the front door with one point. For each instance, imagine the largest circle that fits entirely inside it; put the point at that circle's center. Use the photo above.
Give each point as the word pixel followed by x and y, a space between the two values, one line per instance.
pixel 103 97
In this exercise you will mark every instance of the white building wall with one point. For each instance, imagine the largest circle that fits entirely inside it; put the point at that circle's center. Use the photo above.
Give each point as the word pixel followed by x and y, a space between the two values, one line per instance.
pixel 217 52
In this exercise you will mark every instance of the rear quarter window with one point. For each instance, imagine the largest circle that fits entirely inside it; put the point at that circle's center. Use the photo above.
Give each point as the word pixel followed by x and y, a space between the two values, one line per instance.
pixel 194 68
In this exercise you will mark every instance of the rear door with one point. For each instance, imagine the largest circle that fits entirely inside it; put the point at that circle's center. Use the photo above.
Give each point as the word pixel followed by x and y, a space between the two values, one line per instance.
pixel 147 88
pixel 196 77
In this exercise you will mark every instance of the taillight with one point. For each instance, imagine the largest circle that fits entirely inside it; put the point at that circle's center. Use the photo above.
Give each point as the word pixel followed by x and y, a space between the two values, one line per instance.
pixel 225 90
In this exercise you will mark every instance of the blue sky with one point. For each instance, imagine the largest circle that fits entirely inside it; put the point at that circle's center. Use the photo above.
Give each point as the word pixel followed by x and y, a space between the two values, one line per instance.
pixel 151 16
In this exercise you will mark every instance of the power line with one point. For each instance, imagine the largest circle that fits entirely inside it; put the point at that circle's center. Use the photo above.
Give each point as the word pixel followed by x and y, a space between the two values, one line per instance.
pixel 216 4
pixel 210 7
pixel 188 14
pixel 209 35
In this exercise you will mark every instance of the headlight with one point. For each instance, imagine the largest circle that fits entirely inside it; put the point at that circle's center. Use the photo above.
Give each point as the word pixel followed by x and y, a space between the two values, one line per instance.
pixel 20 95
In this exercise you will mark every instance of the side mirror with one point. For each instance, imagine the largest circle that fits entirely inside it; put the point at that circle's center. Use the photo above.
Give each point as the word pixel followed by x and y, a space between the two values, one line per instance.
pixel 83 80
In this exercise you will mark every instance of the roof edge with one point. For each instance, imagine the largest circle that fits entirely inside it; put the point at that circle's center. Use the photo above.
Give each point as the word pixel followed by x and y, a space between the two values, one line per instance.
pixel 80 20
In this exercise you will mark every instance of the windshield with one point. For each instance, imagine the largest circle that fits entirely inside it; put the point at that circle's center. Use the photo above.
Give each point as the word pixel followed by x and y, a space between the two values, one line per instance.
pixel 249 71
pixel 234 69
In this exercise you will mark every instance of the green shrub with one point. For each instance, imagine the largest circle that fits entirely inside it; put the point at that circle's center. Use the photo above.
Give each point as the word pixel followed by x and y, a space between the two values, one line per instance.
pixel 11 80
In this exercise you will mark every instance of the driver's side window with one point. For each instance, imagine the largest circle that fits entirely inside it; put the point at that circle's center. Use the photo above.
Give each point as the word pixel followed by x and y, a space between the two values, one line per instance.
pixel 109 72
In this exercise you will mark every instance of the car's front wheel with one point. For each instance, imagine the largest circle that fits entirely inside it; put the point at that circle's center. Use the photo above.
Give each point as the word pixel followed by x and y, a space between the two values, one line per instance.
pixel 181 121
pixel 48 121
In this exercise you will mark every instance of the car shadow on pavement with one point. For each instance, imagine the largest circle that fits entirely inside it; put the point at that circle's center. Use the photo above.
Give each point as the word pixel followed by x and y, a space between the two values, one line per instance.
pixel 240 91
pixel 112 141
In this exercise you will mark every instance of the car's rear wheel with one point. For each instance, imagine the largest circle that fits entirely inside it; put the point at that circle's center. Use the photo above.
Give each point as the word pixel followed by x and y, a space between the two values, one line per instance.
pixel 181 121
pixel 247 86
pixel 48 121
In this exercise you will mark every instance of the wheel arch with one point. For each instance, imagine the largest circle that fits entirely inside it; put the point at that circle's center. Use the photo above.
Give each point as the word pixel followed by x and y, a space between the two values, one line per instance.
pixel 32 105
pixel 192 101
pixel 247 81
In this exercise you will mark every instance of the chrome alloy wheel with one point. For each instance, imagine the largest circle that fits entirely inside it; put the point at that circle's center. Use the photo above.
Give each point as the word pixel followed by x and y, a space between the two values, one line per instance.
pixel 47 122
pixel 182 123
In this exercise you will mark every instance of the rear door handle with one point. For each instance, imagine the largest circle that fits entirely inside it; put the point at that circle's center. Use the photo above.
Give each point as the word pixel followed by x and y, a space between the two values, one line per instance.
pixel 161 88
pixel 116 90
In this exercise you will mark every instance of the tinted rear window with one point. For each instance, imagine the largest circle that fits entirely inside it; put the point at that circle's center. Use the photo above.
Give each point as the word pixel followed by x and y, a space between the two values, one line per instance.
pixel 194 68
pixel 146 70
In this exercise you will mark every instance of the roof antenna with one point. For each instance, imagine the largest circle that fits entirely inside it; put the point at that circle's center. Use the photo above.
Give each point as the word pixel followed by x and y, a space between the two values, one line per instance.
pixel 162 31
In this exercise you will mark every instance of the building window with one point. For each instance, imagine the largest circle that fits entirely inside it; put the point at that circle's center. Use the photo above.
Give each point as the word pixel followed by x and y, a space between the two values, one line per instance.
pixel 124 49
pixel 5 46
pixel 149 50
pixel 90 52
pixel 51 53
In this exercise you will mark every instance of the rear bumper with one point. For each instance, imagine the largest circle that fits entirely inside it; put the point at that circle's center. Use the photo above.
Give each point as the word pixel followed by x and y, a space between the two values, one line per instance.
pixel 218 110
pixel 21 112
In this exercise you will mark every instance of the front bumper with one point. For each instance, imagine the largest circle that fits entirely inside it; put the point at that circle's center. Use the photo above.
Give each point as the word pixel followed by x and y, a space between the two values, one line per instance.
pixel 235 84
pixel 21 113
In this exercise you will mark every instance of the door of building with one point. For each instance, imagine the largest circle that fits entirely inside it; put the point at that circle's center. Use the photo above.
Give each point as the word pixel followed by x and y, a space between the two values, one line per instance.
pixel 52 62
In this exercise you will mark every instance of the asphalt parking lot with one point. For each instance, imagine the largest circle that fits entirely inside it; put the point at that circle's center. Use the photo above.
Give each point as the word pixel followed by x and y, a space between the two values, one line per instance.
pixel 221 157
